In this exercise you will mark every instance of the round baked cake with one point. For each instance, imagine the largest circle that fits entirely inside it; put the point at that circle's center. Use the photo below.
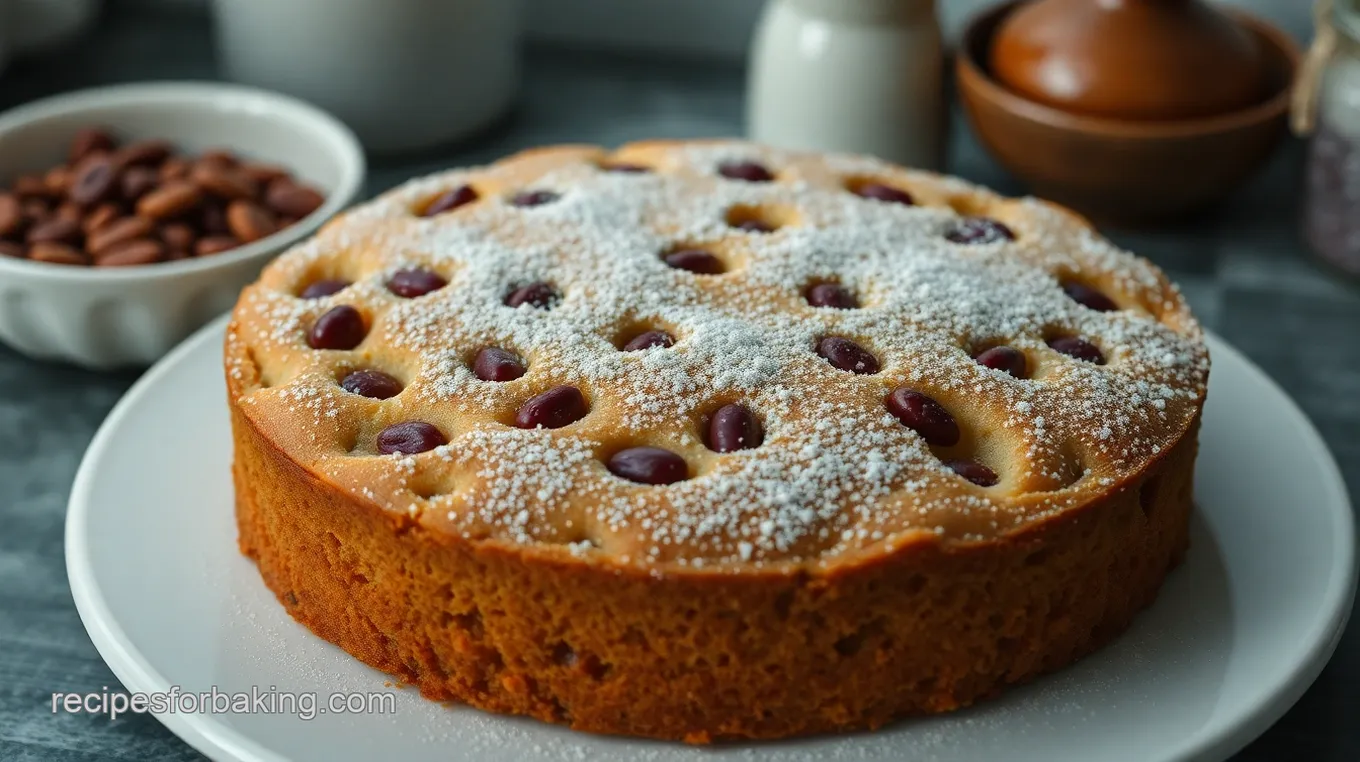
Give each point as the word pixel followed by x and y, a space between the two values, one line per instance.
pixel 708 440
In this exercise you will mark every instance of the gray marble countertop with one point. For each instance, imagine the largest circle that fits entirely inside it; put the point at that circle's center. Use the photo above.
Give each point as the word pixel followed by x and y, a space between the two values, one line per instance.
pixel 1242 266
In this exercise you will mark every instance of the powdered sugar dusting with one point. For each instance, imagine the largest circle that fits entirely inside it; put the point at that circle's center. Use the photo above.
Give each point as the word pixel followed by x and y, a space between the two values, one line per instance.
pixel 836 473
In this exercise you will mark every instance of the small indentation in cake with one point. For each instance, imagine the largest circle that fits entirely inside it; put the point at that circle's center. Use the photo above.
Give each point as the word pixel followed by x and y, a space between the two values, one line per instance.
pixel 694 260
pixel 427 486
pixel 1147 495
pixel 263 380
pixel 539 294
pixel 347 438
pixel 358 578
pixel 1062 467
pixel 844 354
pixel 1037 558
pixel 830 295
pixel 1087 296
pixel 447 201
pixel 748 171
pixel 290 598
pixel 878 190
pixel 333 541
pixel 783 604
pixel 758 219
pixel 915 584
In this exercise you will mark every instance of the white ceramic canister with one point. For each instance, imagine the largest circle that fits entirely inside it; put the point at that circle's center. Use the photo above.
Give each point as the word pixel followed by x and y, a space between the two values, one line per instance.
pixel 863 76
pixel 404 74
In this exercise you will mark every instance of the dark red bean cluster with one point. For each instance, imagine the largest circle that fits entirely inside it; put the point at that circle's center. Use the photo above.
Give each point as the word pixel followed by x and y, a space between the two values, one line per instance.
pixel 141 203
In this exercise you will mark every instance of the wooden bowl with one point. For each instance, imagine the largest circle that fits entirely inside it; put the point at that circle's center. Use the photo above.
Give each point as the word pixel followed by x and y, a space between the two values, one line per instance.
pixel 1121 171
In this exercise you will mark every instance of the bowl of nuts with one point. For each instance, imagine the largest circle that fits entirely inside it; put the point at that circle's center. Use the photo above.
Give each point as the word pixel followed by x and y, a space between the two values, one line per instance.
pixel 131 215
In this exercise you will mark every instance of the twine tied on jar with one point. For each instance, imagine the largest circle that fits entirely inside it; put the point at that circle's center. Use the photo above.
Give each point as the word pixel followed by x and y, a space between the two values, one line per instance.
pixel 1303 106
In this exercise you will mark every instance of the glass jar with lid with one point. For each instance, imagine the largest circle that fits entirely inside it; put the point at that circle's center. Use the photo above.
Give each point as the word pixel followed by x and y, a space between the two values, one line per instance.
pixel 1327 106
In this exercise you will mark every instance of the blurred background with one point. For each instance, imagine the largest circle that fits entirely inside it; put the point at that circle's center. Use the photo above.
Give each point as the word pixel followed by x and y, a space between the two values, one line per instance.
pixel 1258 224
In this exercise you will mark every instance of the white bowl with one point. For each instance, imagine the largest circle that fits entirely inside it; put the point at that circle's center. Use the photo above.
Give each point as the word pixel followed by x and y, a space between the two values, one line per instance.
pixel 109 317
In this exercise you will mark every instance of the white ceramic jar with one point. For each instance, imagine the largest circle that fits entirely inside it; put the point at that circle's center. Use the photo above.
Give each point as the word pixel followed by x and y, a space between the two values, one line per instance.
pixel 404 74
pixel 862 76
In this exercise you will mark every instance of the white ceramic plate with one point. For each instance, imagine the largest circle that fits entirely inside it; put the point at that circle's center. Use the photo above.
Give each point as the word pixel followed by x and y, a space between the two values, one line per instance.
pixel 1237 635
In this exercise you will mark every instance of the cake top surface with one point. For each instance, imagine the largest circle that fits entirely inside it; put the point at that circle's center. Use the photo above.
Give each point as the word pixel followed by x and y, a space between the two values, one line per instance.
pixel 715 355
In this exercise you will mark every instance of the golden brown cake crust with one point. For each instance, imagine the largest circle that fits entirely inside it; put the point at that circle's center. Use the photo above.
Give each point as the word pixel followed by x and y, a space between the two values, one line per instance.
pixel 837 576
pixel 705 656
